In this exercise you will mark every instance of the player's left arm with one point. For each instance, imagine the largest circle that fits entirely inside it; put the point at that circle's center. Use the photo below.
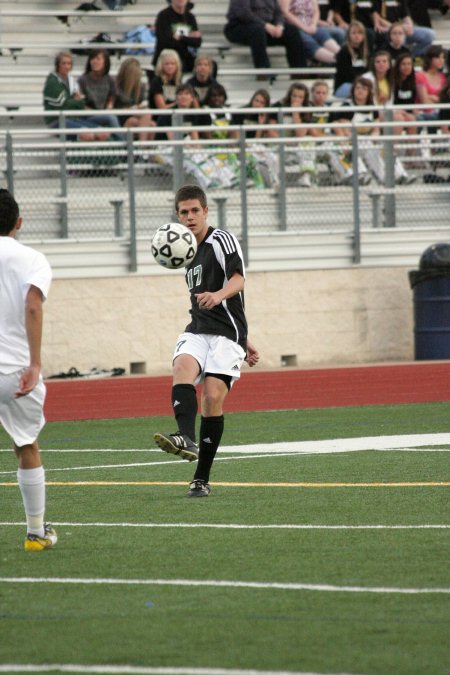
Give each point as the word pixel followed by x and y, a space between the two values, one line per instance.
pixel 234 285
pixel 33 326
pixel 252 356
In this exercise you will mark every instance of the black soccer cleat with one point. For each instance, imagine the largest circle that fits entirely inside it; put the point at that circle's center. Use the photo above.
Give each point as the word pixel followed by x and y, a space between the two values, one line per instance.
pixel 178 444
pixel 199 488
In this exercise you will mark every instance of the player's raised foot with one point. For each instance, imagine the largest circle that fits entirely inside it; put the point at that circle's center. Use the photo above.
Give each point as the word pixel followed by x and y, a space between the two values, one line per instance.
pixel 178 444
pixel 35 543
pixel 199 488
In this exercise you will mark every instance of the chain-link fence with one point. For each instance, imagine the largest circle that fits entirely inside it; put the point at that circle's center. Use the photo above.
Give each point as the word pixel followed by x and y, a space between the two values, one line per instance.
pixel 124 188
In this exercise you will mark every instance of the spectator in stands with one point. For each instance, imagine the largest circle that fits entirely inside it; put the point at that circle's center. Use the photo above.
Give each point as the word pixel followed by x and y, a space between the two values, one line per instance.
pixel 261 156
pixel 370 153
pixel 396 41
pixel 99 88
pixel 61 92
pixel 404 81
pixel 418 38
pixel 131 94
pixel 352 59
pixel 217 118
pixel 259 99
pixel 259 25
pixel 430 81
pixel 317 40
pixel 203 77
pixel 405 89
pixel 207 169
pixel 381 75
pixel 297 96
pixel 347 11
pixel 176 28
pixel 444 114
pixel 320 92
pixel 168 73
pixel 184 100
pixel 328 20
pixel 419 10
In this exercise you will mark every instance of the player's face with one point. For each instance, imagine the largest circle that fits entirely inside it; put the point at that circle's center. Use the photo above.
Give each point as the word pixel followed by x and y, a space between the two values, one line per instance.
pixel 192 214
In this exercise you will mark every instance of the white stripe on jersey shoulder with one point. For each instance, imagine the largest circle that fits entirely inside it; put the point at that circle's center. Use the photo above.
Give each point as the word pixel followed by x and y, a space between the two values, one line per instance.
pixel 226 240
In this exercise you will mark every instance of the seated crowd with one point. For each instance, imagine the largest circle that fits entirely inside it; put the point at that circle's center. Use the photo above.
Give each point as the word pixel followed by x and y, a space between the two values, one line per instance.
pixel 380 55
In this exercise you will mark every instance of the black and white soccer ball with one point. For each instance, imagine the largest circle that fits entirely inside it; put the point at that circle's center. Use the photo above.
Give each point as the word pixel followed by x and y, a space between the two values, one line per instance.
pixel 173 246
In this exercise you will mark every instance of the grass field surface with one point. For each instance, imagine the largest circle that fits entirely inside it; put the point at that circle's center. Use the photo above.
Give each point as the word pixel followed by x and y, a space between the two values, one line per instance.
pixel 323 548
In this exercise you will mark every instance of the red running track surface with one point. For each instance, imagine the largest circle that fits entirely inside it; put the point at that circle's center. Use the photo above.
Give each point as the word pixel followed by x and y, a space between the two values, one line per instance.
pixel 140 396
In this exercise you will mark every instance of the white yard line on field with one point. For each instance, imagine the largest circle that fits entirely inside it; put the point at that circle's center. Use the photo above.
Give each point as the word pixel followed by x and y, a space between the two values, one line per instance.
pixel 238 526
pixel 402 443
pixel 143 670
pixel 219 583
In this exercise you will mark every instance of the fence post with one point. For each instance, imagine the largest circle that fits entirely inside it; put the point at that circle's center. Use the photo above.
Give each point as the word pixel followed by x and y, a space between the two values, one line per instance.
pixel 132 202
pixel 63 206
pixel 243 188
pixel 9 162
pixel 355 190
pixel 389 171
pixel 178 172
pixel 282 213
pixel 221 212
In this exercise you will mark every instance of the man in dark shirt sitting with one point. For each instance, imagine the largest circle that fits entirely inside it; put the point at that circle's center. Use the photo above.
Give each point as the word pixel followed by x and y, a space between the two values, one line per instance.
pixel 258 24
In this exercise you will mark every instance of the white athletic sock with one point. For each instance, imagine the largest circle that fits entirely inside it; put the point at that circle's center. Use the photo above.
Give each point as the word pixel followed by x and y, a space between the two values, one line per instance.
pixel 32 487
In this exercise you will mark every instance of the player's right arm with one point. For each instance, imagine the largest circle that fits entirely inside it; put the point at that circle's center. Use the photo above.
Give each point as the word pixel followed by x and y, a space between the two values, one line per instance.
pixel 33 327
pixel 234 285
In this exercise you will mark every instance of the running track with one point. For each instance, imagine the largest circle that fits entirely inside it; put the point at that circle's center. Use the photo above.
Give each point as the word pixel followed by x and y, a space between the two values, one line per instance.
pixel 140 396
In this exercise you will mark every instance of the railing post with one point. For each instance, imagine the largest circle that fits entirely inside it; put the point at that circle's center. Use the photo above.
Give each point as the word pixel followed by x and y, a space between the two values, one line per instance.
pixel 221 213
pixel 178 171
pixel 355 190
pixel 9 162
pixel 243 187
pixel 132 202
pixel 282 213
pixel 63 206
pixel 389 171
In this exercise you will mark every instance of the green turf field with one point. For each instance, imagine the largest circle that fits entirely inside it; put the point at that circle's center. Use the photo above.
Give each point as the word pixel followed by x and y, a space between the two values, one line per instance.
pixel 280 570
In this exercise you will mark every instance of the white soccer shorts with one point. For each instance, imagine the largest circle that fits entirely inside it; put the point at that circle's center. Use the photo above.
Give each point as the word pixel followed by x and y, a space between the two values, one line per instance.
pixel 214 354
pixel 22 418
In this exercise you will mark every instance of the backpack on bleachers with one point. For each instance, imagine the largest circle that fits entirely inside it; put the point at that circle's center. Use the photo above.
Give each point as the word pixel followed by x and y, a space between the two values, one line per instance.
pixel 140 35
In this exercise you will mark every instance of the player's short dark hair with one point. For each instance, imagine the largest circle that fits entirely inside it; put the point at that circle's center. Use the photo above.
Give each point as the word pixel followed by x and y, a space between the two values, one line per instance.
pixel 9 212
pixel 190 192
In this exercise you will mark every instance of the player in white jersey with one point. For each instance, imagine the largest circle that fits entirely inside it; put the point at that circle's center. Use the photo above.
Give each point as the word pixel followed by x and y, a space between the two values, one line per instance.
pixel 25 278
pixel 213 345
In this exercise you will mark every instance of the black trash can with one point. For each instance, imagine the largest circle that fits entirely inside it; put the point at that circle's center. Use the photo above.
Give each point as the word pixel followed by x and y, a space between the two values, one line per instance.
pixel 431 295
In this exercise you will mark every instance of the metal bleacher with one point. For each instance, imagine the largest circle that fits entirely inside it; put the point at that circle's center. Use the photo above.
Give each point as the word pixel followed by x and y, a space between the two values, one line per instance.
pixel 33 31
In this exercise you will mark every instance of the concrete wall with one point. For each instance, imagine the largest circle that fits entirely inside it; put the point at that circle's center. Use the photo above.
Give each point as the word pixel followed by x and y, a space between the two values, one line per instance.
pixel 314 317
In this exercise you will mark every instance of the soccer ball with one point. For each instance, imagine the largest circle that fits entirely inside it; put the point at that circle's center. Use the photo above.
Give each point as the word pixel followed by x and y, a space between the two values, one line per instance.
pixel 173 246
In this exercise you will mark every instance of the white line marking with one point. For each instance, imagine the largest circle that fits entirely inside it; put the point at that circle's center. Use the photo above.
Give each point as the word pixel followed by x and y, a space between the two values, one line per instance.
pixel 143 670
pixel 236 526
pixel 216 583
pixel 342 445
pixel 403 441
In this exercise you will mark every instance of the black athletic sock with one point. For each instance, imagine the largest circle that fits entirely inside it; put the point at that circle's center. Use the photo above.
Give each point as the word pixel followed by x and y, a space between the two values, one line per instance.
pixel 211 430
pixel 185 406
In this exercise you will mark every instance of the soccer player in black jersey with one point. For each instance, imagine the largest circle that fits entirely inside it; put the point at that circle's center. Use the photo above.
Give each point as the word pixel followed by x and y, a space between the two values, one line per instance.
pixel 213 345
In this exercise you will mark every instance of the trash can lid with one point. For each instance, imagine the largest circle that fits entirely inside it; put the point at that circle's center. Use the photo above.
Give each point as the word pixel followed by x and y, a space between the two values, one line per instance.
pixel 435 256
